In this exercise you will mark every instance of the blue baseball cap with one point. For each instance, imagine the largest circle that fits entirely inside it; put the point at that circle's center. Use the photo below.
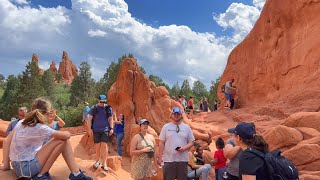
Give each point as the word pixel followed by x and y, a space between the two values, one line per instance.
pixel 102 98
pixel 244 130
pixel 176 110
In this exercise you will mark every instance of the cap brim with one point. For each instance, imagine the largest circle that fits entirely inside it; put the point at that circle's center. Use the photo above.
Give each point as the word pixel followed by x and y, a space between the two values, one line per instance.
pixel 231 130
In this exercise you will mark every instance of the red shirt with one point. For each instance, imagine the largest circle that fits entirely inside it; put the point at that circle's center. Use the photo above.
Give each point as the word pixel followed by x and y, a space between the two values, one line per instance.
pixel 190 103
pixel 180 101
pixel 221 159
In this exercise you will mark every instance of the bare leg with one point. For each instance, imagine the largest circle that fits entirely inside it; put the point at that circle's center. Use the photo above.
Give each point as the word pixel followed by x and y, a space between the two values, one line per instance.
pixel 68 156
pixel 49 153
pixel 97 145
pixel 104 152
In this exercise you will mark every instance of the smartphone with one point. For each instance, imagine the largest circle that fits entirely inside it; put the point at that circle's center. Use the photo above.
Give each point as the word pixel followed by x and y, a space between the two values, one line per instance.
pixel 177 148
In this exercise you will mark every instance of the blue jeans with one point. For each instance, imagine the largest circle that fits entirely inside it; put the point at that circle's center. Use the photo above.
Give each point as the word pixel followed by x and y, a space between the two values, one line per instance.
pixel 119 138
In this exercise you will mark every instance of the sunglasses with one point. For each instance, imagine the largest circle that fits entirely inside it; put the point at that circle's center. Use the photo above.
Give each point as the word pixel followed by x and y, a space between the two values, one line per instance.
pixel 177 129
pixel 103 102
pixel 145 123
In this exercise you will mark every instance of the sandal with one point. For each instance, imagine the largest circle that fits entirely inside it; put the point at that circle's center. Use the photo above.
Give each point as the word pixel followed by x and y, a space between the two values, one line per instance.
pixel 96 164
pixel 105 168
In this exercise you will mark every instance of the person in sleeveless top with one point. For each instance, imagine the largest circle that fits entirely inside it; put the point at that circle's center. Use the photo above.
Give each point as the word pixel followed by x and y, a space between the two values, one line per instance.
pixel 56 125
pixel 141 147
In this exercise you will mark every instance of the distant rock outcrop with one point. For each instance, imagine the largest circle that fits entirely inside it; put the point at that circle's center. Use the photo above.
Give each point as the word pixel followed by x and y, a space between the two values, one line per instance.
pixel 279 60
pixel 67 69
pixel 53 68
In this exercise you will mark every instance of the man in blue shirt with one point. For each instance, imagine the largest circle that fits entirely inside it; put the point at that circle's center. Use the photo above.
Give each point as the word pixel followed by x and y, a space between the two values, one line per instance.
pixel 100 123
pixel 21 115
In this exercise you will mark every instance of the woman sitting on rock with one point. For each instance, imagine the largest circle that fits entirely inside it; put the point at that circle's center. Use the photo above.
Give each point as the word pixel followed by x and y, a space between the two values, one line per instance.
pixel 142 152
pixel 24 146
pixel 195 171
pixel 251 166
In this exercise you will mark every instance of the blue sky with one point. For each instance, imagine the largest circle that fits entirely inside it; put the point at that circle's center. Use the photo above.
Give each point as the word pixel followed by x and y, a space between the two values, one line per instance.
pixel 196 36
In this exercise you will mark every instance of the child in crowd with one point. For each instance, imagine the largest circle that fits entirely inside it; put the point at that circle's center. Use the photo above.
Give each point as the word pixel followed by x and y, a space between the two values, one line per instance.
pixel 219 161
pixel 56 125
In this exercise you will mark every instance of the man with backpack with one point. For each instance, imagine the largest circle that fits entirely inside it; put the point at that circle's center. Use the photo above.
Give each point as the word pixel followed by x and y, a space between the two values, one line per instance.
pixel 100 123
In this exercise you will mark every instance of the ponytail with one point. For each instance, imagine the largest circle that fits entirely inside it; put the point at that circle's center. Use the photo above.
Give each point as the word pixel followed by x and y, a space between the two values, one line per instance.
pixel 257 142
pixel 34 117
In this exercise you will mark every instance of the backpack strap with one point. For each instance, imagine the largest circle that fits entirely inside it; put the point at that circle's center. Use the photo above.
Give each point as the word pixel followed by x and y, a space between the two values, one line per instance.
pixel 263 155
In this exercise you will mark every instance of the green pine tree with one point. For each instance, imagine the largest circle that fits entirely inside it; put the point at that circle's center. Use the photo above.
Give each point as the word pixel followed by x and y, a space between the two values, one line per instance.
pixel 185 89
pixel 31 85
pixel 175 90
pixel 82 85
pixel 199 90
pixel 48 84
pixel 213 93
pixel 9 102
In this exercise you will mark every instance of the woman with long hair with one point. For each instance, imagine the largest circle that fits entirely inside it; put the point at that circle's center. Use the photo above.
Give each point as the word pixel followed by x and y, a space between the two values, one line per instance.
pixel 142 151
pixel 195 171
pixel 251 166
pixel 119 131
pixel 24 146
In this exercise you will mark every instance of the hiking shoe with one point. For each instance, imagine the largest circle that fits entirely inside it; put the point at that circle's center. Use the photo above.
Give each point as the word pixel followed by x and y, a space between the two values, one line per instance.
pixel 81 176
pixel 96 164
pixel 45 176
pixel 105 168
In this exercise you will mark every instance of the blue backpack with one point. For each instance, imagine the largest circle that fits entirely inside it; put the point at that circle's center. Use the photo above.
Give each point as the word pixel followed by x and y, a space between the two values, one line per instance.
pixel 279 167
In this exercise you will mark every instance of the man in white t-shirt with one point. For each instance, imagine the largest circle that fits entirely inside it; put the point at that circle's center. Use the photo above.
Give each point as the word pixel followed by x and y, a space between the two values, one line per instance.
pixel 176 138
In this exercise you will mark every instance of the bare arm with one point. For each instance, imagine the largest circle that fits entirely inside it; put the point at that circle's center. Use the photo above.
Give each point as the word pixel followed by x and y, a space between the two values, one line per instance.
pixel 64 135
pixel 248 177
pixel 133 149
pixel 61 123
pixel 160 153
pixel 186 147
pixel 230 151
pixel 6 151
pixel 89 122
pixel 191 162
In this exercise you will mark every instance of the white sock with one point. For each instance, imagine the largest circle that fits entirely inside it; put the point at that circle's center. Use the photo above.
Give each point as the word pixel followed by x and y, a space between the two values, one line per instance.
pixel 39 175
pixel 76 174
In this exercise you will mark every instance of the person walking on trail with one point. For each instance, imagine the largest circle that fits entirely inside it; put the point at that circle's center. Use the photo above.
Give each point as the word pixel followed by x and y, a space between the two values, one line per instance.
pixel 229 90
pixel 176 139
pixel 191 107
pixel 22 111
pixel 100 123
pixel 119 131
pixel 24 146
pixel 205 105
pixel 184 102
pixel 85 116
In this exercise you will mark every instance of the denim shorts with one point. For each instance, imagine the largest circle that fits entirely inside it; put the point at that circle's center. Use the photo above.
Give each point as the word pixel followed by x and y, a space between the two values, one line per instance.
pixel 26 168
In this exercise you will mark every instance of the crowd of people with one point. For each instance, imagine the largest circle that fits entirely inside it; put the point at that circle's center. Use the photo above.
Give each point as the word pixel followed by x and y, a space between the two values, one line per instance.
pixel 34 142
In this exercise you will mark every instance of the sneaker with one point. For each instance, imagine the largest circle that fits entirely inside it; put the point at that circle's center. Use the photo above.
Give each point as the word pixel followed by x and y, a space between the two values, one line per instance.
pixel 96 164
pixel 45 176
pixel 105 168
pixel 81 176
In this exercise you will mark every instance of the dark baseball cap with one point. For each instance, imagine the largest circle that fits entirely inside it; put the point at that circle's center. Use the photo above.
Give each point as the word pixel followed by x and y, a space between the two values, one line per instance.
pixel 244 130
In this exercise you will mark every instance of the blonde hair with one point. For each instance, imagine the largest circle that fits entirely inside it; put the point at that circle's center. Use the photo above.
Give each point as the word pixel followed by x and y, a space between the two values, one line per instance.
pixel 40 107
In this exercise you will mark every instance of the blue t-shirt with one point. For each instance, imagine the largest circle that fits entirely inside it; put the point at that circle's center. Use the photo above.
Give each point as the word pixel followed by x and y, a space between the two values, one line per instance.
pixel 11 126
pixel 119 127
pixel 100 123
pixel 54 126
pixel 85 113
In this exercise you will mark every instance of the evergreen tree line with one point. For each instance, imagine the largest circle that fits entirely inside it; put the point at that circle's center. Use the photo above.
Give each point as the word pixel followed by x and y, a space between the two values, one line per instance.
pixel 69 100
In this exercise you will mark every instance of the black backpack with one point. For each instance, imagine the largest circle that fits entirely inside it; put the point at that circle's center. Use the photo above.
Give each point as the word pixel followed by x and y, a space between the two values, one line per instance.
pixel 107 110
pixel 279 167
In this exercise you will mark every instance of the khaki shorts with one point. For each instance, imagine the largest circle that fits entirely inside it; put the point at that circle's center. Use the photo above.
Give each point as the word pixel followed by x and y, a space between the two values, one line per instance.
pixel 175 170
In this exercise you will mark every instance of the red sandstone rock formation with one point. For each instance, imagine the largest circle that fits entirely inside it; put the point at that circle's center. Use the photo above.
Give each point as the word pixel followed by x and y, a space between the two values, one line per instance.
pixel 53 68
pixel 35 58
pixel 3 128
pixel 67 69
pixel 279 60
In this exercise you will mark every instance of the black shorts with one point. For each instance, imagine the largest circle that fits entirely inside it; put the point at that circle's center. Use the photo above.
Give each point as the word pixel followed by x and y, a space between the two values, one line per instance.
pixel 99 137
pixel 190 107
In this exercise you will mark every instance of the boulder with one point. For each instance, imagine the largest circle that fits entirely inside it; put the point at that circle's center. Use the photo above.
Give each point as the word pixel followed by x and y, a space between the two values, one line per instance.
pixel 303 119
pixel 314 166
pixel 135 96
pixel 282 136
pixel 303 154
pixel 284 61
pixel 308 133
pixel 315 140
pixel 53 68
pixel 114 162
pixel 3 127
